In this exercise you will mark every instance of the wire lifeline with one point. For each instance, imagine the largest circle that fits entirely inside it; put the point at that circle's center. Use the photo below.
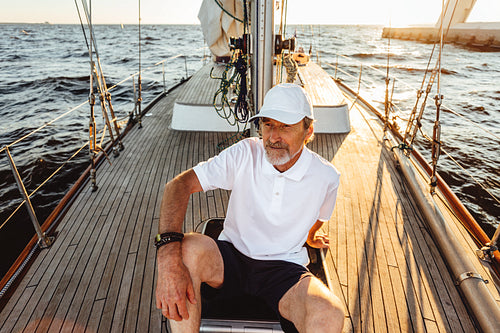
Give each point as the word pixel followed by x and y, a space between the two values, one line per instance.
pixel 419 92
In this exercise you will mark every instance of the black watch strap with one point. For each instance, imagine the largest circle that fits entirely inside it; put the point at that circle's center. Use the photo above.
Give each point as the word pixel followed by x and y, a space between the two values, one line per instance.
pixel 168 237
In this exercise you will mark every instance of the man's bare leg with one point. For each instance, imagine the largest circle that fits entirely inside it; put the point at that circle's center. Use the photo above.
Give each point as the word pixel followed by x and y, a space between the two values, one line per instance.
pixel 312 307
pixel 201 256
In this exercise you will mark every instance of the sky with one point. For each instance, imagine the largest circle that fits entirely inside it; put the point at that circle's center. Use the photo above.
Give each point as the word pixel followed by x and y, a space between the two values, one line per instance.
pixel 383 12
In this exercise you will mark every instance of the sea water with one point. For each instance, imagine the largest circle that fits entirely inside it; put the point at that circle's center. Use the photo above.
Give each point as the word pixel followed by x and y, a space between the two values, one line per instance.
pixel 44 73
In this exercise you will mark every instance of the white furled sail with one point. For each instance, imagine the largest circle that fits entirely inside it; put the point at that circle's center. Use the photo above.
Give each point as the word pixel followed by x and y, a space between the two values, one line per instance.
pixel 218 26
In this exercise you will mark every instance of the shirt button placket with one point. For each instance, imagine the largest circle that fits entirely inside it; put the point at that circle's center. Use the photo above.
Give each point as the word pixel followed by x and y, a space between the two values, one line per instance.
pixel 278 186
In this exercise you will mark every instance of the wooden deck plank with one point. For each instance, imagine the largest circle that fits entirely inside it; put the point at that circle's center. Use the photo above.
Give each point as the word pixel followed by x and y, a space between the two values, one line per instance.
pixel 33 311
pixel 80 302
pixel 320 86
pixel 369 283
pixel 143 238
pixel 368 177
pixel 97 276
pixel 369 221
pixel 85 277
pixel 58 305
pixel 200 89
pixel 13 314
pixel 111 285
pixel 103 248
pixel 434 309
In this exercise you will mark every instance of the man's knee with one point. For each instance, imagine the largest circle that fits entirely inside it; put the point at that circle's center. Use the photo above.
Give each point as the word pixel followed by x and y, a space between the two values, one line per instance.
pixel 326 307
pixel 201 256
pixel 312 307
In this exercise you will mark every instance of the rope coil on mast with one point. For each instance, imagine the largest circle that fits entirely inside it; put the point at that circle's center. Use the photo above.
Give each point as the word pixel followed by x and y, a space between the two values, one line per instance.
pixel 234 77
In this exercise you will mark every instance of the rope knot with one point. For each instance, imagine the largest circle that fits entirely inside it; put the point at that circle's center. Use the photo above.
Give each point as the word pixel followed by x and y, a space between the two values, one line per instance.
pixel 403 147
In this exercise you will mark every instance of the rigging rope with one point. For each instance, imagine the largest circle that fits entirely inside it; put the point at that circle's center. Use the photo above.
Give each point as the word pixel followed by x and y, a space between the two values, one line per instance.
pixel 435 71
pixel 281 31
pixel 139 77
pixel 228 13
pixel 387 104
pixel 436 132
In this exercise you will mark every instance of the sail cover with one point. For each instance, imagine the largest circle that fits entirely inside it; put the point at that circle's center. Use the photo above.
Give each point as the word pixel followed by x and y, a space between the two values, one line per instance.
pixel 218 26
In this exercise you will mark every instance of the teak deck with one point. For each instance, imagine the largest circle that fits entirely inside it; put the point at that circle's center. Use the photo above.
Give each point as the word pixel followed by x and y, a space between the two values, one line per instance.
pixel 99 275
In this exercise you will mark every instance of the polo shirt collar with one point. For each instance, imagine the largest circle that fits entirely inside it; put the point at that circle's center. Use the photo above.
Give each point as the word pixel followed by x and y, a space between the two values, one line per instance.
pixel 296 172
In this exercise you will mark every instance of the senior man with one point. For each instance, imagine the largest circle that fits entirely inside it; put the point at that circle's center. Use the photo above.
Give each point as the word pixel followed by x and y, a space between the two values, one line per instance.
pixel 282 193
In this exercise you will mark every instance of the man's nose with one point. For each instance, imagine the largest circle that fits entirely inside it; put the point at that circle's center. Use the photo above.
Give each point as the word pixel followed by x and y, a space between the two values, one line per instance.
pixel 275 134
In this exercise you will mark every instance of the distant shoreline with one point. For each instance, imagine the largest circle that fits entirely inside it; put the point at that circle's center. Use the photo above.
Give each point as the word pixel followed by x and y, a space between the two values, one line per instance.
pixel 188 24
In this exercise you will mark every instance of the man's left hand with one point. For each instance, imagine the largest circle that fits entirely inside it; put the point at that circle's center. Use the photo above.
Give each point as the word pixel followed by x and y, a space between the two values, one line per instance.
pixel 319 241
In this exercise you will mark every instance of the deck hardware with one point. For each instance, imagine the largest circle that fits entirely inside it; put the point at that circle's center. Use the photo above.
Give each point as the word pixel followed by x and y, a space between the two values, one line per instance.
pixel 469 275
pixel 93 180
pixel 163 72
pixel 139 100
pixel 43 240
pixel 240 43
pixel 486 252
pixel 281 44
pixel 359 79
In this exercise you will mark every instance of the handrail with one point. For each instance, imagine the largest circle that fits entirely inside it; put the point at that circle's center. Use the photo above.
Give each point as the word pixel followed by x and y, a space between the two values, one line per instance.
pixel 86 102
pixel 42 240
pixel 7 146
pixel 41 127
pixel 408 85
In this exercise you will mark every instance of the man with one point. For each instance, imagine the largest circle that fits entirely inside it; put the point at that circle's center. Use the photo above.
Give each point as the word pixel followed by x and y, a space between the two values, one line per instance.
pixel 282 193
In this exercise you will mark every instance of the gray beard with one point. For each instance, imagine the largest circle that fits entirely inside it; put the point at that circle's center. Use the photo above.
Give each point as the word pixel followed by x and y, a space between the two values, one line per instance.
pixel 278 159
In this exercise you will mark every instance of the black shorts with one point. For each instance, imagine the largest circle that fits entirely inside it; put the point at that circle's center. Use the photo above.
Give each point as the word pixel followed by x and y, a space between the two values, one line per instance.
pixel 265 279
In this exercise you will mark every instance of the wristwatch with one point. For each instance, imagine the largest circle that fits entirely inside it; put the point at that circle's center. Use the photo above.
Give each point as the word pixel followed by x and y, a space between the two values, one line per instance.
pixel 167 237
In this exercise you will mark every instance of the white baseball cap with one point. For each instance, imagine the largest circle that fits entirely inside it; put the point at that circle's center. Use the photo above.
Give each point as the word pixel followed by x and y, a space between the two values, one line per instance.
pixel 287 103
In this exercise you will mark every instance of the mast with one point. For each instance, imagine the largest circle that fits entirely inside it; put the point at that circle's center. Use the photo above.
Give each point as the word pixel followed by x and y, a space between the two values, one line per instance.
pixel 455 11
pixel 262 42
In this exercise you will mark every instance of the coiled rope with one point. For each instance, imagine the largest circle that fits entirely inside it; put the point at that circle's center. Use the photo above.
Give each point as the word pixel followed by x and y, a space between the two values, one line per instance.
pixel 237 80
pixel 234 77
pixel 291 68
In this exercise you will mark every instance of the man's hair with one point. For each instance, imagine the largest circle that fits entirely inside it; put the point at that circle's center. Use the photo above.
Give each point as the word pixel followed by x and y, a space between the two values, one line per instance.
pixel 308 123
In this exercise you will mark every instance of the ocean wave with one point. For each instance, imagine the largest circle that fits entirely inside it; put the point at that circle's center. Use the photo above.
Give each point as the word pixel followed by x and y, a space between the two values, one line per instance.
pixel 411 69
pixel 379 56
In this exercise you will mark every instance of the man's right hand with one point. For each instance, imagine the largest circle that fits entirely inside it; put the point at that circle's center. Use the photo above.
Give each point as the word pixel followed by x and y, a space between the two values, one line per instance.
pixel 174 287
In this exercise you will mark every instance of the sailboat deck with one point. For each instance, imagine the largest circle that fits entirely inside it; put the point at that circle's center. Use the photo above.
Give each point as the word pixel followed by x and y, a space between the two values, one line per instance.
pixel 99 275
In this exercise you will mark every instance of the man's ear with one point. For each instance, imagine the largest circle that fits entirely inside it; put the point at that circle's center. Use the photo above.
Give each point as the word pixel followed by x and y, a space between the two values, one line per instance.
pixel 310 132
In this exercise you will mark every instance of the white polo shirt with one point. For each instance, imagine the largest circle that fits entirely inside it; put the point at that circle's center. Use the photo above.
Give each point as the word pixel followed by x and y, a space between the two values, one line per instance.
pixel 270 213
